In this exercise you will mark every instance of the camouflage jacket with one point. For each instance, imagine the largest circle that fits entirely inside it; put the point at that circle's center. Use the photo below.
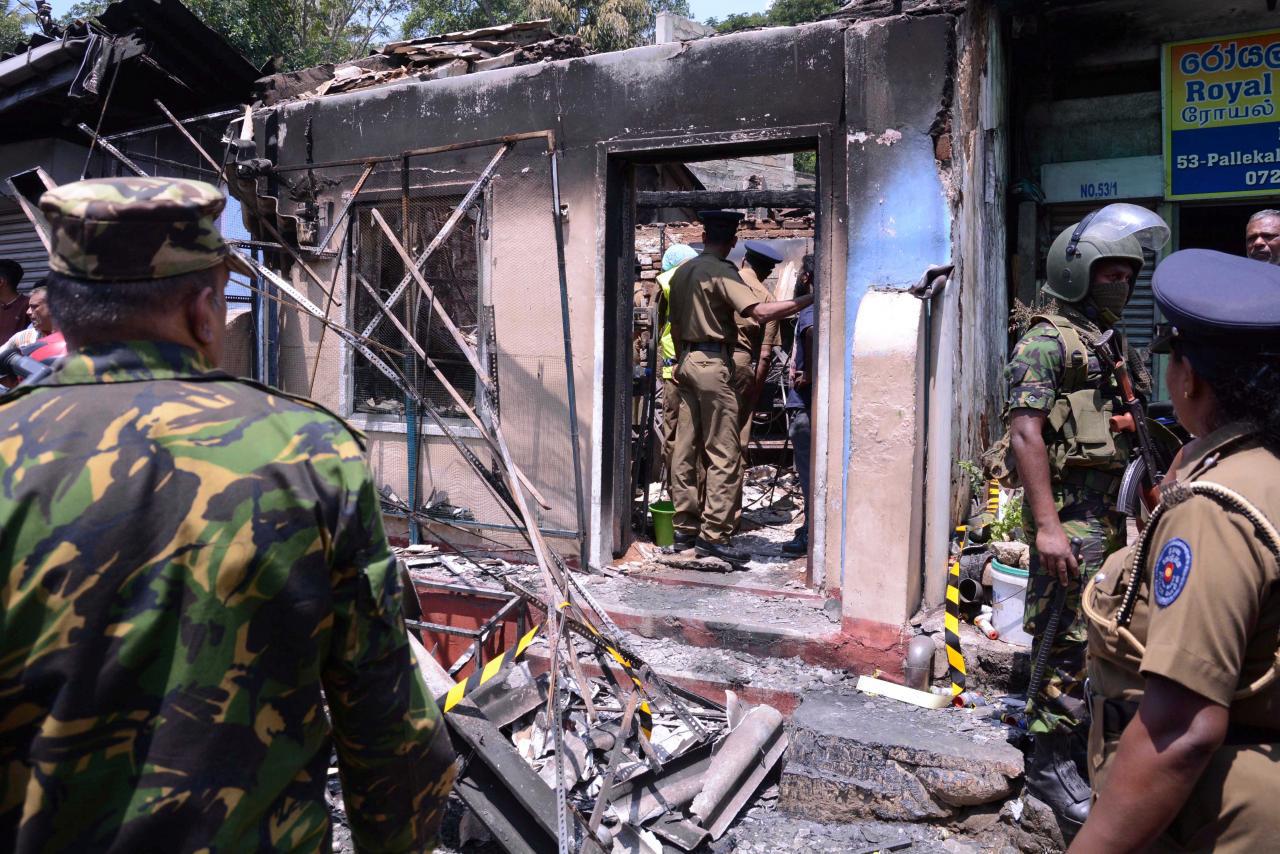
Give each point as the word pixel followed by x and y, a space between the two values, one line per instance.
pixel 1034 378
pixel 187 561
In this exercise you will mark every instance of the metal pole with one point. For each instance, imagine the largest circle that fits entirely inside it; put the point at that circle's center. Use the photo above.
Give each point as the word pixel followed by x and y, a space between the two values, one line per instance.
pixel 113 151
pixel 570 385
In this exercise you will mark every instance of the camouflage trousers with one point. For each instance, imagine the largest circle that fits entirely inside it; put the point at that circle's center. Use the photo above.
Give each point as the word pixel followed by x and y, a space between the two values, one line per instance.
pixel 1060 705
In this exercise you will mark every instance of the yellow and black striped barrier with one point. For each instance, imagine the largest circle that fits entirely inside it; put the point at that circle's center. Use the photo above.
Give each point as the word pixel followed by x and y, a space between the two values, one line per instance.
pixel 951 623
pixel 481 675
pixel 490 670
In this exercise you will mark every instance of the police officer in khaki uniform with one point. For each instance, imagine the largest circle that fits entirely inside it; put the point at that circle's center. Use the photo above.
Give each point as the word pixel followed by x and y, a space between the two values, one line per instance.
pixel 707 294
pixel 752 352
pixel 1184 626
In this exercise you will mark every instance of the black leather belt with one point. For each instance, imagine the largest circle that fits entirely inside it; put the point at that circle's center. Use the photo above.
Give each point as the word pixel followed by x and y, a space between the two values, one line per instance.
pixel 715 347
pixel 1099 481
pixel 1116 715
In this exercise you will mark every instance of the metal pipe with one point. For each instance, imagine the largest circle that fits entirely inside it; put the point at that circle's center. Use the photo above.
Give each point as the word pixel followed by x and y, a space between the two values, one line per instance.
pixel 221 170
pixel 919 666
pixel 570 386
pixel 419 152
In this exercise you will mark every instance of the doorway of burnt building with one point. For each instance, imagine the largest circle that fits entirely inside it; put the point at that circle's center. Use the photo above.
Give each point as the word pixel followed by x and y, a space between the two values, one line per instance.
pixel 653 196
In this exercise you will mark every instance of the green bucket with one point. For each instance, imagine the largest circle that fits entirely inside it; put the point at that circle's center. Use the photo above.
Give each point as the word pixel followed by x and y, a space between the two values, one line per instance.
pixel 664 532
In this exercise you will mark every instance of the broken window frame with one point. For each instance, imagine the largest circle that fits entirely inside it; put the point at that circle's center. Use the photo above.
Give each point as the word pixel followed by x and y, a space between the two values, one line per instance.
pixel 388 201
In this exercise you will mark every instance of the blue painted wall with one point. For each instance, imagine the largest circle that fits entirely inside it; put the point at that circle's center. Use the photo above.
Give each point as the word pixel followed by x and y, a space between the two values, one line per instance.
pixel 899 217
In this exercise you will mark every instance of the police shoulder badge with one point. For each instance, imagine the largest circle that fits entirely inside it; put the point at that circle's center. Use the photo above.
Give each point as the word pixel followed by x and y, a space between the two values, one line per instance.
pixel 1171 571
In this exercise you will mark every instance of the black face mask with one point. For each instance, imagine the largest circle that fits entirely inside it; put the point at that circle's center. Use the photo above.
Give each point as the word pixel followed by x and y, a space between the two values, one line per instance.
pixel 1110 299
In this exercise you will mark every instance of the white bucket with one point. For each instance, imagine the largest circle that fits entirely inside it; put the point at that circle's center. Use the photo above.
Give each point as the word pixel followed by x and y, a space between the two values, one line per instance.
pixel 1008 602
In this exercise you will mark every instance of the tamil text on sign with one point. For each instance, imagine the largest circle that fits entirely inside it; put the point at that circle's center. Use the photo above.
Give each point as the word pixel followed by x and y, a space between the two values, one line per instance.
pixel 1222 133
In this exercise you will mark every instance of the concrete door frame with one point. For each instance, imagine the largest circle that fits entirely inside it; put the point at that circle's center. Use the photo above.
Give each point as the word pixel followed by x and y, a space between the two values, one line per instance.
pixel 610 422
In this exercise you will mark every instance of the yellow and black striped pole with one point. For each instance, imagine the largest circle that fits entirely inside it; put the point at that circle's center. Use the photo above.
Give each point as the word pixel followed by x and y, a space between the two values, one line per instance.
pixel 951 623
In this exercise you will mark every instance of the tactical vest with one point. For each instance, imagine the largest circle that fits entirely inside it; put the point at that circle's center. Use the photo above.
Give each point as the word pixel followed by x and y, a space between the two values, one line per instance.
pixel 1077 430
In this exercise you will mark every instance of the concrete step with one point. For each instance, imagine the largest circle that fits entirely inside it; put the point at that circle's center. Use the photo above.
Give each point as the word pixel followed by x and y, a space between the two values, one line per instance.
pixel 711 671
pixel 854 757
pixel 761 622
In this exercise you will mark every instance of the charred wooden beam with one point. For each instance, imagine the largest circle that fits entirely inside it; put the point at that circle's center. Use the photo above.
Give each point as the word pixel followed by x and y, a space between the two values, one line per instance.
pixel 726 199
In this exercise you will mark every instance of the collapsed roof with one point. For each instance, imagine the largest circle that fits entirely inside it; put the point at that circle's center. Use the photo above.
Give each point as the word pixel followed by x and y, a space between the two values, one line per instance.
pixel 131 53
pixel 429 58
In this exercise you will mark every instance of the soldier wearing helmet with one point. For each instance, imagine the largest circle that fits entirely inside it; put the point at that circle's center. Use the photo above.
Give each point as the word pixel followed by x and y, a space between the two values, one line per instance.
pixel 1060 400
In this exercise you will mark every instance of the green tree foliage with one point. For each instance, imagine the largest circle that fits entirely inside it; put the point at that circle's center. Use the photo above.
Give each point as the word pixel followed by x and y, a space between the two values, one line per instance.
pixel 432 17
pixel 300 33
pixel 782 13
pixel 15 21
pixel 602 24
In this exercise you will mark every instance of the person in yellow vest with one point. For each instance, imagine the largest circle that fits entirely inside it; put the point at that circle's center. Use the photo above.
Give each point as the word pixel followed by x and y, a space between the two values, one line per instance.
pixel 706 295
pixel 675 255
pixel 1184 744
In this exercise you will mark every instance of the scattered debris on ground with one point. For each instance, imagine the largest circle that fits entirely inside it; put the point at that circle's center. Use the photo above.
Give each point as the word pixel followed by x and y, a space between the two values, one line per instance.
pixel 636 764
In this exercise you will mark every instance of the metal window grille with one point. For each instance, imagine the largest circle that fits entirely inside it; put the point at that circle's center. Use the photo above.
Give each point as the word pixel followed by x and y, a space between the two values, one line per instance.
pixel 453 273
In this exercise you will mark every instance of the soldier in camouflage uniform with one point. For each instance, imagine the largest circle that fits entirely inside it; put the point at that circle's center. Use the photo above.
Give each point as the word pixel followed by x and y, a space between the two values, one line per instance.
pixel 193 569
pixel 1060 400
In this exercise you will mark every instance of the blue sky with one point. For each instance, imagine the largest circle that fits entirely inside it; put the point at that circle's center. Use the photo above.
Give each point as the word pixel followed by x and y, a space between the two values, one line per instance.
pixel 702 9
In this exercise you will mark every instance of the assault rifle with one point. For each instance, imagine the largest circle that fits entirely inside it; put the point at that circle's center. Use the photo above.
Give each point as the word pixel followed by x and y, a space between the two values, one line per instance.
pixel 30 371
pixel 1142 477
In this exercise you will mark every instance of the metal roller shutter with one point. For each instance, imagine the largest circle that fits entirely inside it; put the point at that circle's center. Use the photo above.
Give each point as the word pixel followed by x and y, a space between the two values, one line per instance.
pixel 1139 322
pixel 19 242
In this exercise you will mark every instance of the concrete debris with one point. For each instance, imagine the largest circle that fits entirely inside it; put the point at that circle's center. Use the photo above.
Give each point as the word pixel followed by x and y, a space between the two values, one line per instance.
pixel 645 792
pixel 430 58
pixel 739 767
pixel 680 832
pixel 1012 554
pixel 837 769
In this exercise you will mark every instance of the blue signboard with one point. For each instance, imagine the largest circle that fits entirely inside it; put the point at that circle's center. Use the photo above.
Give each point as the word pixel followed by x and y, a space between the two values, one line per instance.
pixel 1221 128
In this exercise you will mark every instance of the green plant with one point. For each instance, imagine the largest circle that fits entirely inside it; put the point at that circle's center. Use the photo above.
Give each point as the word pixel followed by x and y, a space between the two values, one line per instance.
pixel 977 483
pixel 1009 521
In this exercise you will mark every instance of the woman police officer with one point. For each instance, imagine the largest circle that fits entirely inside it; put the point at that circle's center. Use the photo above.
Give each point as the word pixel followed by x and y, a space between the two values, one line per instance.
pixel 1184 748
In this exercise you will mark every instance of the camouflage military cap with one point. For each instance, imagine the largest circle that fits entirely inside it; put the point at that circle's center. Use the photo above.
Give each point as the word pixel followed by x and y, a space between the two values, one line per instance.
pixel 136 229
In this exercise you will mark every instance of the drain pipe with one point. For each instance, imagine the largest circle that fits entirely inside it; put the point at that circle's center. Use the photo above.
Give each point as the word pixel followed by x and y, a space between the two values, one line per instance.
pixel 918 670
pixel 932 284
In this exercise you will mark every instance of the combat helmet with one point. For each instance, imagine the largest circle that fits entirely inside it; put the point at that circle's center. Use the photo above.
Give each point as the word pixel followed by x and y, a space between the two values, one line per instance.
pixel 1120 231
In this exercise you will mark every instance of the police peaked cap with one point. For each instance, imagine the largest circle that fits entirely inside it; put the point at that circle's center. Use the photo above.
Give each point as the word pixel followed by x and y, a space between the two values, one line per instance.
pixel 720 225
pixel 1226 301
pixel 763 252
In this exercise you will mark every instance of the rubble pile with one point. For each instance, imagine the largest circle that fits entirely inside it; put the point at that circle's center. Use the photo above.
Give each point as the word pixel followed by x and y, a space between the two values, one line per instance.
pixel 673 786
pixel 640 765
pixel 429 58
